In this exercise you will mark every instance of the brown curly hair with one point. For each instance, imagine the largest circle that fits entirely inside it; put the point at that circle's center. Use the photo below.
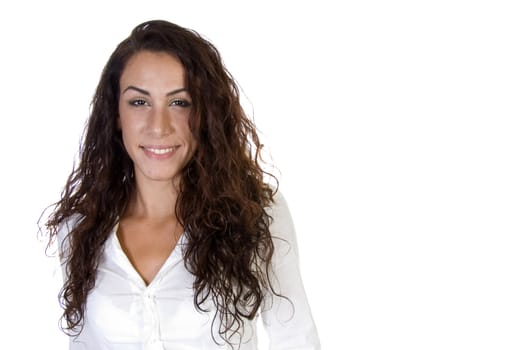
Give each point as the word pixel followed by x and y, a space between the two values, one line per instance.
pixel 222 197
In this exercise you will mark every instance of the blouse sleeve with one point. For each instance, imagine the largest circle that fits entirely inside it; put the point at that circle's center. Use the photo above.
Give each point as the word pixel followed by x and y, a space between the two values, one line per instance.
pixel 288 320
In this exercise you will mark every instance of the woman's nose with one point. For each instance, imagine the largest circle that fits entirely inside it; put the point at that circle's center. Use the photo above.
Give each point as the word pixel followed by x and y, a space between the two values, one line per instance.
pixel 160 123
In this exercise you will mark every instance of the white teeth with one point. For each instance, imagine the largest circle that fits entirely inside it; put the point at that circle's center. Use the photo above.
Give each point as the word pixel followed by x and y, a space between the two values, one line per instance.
pixel 160 150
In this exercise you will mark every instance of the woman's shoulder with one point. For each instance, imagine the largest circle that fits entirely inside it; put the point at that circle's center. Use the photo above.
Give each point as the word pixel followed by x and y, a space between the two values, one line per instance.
pixel 279 210
pixel 67 225
pixel 278 203
pixel 64 229
pixel 282 225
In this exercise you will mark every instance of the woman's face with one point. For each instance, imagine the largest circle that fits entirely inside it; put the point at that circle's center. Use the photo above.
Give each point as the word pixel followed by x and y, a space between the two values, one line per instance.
pixel 154 108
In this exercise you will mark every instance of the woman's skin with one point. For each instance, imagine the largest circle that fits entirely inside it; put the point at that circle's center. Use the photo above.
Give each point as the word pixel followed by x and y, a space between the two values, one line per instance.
pixel 154 108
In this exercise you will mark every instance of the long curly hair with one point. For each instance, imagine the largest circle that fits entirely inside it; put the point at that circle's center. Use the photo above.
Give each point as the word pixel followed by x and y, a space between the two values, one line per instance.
pixel 222 197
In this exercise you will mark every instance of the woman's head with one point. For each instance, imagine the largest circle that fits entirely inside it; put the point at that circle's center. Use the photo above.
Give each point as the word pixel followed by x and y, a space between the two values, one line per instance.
pixel 207 85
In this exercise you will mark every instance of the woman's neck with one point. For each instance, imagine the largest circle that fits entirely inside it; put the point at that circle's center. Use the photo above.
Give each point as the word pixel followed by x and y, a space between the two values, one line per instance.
pixel 153 200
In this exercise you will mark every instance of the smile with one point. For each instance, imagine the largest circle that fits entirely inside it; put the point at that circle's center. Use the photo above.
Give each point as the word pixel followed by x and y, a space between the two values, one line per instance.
pixel 160 150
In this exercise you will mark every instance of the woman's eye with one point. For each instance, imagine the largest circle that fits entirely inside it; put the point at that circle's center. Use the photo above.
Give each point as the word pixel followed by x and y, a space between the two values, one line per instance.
pixel 180 103
pixel 137 102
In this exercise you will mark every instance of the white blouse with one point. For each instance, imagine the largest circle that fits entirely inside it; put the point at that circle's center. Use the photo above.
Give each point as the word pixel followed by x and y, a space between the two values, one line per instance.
pixel 123 313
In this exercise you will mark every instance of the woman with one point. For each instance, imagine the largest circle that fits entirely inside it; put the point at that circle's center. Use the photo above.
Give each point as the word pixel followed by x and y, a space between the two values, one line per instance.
pixel 169 237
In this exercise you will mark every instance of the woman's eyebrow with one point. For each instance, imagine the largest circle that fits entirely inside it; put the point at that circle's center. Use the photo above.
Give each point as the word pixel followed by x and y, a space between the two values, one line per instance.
pixel 131 87
pixel 147 93
pixel 176 91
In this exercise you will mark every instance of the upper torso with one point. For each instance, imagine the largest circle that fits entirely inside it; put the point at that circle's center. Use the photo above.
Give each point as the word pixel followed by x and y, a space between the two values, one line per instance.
pixel 124 313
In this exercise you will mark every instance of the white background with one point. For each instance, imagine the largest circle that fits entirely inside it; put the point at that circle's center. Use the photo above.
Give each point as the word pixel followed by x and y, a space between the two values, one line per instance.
pixel 398 128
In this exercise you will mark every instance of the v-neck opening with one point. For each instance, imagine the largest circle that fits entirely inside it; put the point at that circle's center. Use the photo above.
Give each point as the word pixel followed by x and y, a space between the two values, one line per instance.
pixel 130 265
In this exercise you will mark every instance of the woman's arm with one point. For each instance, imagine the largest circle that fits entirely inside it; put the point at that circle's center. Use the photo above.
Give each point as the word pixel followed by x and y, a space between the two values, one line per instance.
pixel 288 321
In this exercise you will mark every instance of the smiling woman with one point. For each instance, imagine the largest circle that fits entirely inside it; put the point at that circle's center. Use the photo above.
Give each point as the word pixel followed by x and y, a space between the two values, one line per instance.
pixel 169 237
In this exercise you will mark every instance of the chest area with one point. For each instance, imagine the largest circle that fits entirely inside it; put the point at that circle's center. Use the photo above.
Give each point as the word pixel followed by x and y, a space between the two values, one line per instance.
pixel 148 244
pixel 123 312
pixel 122 309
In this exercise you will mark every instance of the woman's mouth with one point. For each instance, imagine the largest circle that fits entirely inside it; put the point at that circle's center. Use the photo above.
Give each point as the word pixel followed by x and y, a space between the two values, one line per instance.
pixel 158 152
